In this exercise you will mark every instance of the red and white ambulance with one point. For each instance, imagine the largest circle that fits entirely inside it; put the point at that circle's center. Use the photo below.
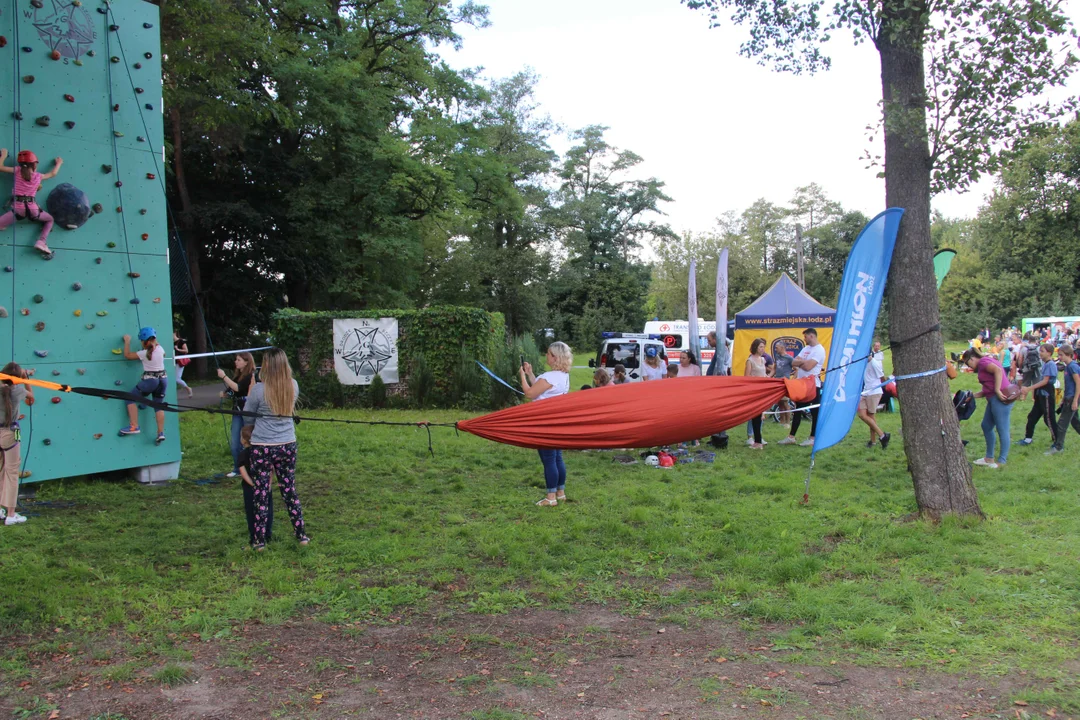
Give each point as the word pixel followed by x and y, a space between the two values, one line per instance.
pixel 675 334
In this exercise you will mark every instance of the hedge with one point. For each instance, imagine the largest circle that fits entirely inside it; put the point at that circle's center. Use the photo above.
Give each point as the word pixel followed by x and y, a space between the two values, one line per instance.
pixel 433 337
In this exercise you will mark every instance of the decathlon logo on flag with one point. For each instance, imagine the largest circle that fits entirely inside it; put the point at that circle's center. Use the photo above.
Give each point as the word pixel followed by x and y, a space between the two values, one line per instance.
pixel 856 315
pixel 864 287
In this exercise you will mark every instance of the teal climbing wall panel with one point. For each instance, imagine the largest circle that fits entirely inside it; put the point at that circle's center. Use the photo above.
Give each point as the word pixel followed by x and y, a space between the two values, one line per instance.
pixel 94 70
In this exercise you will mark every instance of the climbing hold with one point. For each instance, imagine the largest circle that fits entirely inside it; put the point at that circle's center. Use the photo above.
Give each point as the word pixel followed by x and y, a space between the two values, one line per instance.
pixel 114 28
pixel 69 98
pixel 55 54
pixel 119 184
pixel 110 244
pixel 151 176
pixel 27 49
pixel 76 286
pixel 77 313
pixel 114 59
pixel 102 313
pixel 147 25
pixel 56 400
pixel 118 382
pixel 39 326
pixel 113 299
pixel 90 326
pixel 148 106
pixel 56 372
pixel 145 236
pixel 116 107
pixel 106 169
pixel 47 441
pixel 39 299
pixel 119 209
pixel 117 133
pixel 25 473
pixel 137 66
pixel 139 90
pixel 97 260
pixel 97 208
pixel 28 79
pixel 69 124
pixel 117 351
pixel 81 371
pixel 3 312
pixel 148 55
pixel 17 115
pixel 8 268
pixel 3 41
pixel 97 436
pixel 24 312
pixel 89 53
pixel 140 138
pixel 41 353
pixel 77 61
pixel 157 300
pixel 133 275
pixel 69 206
pixel 142 211
pixel 134 301
pixel 37 3
pixel 43 121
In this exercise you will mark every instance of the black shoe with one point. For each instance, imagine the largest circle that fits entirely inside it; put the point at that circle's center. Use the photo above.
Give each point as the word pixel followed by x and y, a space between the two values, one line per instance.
pixel 871 444
pixel 885 440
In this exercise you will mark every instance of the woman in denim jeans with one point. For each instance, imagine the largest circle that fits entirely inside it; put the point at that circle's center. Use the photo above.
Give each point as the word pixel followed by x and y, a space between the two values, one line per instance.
pixel 992 379
pixel 554 382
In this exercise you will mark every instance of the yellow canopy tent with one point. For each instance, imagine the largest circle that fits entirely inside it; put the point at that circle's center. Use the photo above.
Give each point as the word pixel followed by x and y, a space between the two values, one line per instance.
pixel 779 316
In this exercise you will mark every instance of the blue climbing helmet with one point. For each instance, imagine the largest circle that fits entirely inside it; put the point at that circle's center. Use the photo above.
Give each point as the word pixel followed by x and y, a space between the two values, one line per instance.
pixel 146 333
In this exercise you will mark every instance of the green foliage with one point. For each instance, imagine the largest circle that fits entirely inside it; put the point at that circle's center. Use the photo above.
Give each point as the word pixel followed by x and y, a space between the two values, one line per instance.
pixel 377 393
pixel 421 381
pixel 437 335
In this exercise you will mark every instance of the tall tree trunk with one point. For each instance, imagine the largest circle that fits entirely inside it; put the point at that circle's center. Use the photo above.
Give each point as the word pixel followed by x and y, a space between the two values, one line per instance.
pixel 192 247
pixel 939 468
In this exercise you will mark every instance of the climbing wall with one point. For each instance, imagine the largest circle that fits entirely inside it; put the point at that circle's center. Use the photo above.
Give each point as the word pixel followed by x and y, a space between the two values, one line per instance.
pixel 81 80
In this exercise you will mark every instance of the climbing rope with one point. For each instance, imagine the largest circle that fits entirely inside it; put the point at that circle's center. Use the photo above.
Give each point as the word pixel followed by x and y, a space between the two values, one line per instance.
pixel 16 140
pixel 116 164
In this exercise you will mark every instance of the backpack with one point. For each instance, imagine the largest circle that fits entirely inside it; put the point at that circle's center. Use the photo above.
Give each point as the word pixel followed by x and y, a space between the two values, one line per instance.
pixel 1031 369
pixel 964 402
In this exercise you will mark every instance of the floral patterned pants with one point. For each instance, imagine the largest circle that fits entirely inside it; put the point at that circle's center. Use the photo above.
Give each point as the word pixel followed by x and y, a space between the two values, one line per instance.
pixel 266 460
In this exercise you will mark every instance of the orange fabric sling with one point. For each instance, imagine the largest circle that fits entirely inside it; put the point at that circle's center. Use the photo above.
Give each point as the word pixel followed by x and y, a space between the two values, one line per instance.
pixel 643 414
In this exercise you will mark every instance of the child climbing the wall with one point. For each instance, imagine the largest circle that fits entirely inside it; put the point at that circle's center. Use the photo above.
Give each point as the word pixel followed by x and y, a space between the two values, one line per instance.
pixel 10 396
pixel 23 202
pixel 247 484
pixel 153 382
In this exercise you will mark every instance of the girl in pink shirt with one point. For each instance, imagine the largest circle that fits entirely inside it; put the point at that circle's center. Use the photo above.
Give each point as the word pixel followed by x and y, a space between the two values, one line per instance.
pixel 24 205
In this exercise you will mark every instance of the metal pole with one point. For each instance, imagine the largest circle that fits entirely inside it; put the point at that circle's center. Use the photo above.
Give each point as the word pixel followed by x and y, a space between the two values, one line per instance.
pixel 799 256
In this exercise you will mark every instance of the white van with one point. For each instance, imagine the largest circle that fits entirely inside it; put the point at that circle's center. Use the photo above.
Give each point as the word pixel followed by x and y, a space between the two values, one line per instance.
pixel 628 350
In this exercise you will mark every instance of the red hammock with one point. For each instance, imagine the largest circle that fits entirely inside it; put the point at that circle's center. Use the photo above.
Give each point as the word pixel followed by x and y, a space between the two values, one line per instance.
pixel 644 414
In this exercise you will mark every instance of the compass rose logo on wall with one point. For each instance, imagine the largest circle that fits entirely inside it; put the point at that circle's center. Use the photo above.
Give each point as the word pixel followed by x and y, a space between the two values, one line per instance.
pixel 66 27
pixel 367 351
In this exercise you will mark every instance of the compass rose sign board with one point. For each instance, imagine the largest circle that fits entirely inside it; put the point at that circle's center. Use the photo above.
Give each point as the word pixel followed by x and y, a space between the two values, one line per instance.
pixel 364 348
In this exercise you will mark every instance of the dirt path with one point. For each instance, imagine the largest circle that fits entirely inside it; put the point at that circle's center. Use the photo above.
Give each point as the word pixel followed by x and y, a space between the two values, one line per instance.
pixel 589 664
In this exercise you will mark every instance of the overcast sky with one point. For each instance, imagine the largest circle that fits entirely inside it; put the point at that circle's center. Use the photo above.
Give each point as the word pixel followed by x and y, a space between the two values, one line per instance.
pixel 720 130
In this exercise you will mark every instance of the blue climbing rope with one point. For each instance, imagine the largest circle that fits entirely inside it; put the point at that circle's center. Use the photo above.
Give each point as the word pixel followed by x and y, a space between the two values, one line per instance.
pixel 16 140
pixel 116 164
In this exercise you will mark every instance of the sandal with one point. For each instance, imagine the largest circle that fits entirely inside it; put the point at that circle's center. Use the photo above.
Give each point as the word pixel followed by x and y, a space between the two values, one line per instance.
pixel 561 498
pixel 303 539
pixel 547 502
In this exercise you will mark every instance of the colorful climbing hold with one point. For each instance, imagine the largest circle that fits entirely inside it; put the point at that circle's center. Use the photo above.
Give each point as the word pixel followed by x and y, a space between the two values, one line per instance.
pixel 118 382
pixel 56 400
pixel 151 176
pixel 133 275
pixel 102 313
pixel 89 53
pixel 114 28
pixel 47 441
pixel 24 312
pixel 117 133
pixel 97 260
pixel 37 3
pixel 106 169
pixel 148 106
pixel 3 312
pixel 43 121
pixel 27 49
pixel 69 124
pixel 77 61
pixel 17 115
pixel 97 436
pixel 3 41
pixel 25 473
pixel 140 138
pixel 76 286
pixel 8 268
pixel 114 59
pixel 117 351
pixel 28 79
pixel 55 54
pixel 56 373
pixel 147 25
pixel 145 236
pixel 77 313
pixel 157 300
pixel 113 299
pixel 97 208
pixel 134 301
pixel 39 326
pixel 81 371
pixel 148 55
pixel 142 211
pixel 139 90
pixel 119 183
pixel 69 98
pixel 90 326
pixel 39 299
pixel 110 244
pixel 41 353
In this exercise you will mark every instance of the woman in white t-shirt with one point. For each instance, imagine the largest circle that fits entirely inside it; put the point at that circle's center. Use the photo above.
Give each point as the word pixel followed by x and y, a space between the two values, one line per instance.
pixel 654 367
pixel 552 383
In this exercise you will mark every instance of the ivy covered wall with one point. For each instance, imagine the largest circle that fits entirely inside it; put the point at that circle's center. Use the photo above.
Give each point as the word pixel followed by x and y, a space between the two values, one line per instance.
pixel 434 345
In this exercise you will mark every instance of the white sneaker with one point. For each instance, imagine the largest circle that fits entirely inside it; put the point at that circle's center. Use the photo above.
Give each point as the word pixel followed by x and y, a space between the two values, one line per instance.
pixel 788 441
pixel 232 474
pixel 749 441
pixel 982 462
pixel 809 442
pixel 15 519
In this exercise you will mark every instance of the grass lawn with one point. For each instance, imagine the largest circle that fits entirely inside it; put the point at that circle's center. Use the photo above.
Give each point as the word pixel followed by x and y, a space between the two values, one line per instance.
pixel 397 533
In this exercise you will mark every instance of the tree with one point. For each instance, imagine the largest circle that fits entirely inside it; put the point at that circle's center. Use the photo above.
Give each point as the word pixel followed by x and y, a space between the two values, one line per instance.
pixel 976 65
